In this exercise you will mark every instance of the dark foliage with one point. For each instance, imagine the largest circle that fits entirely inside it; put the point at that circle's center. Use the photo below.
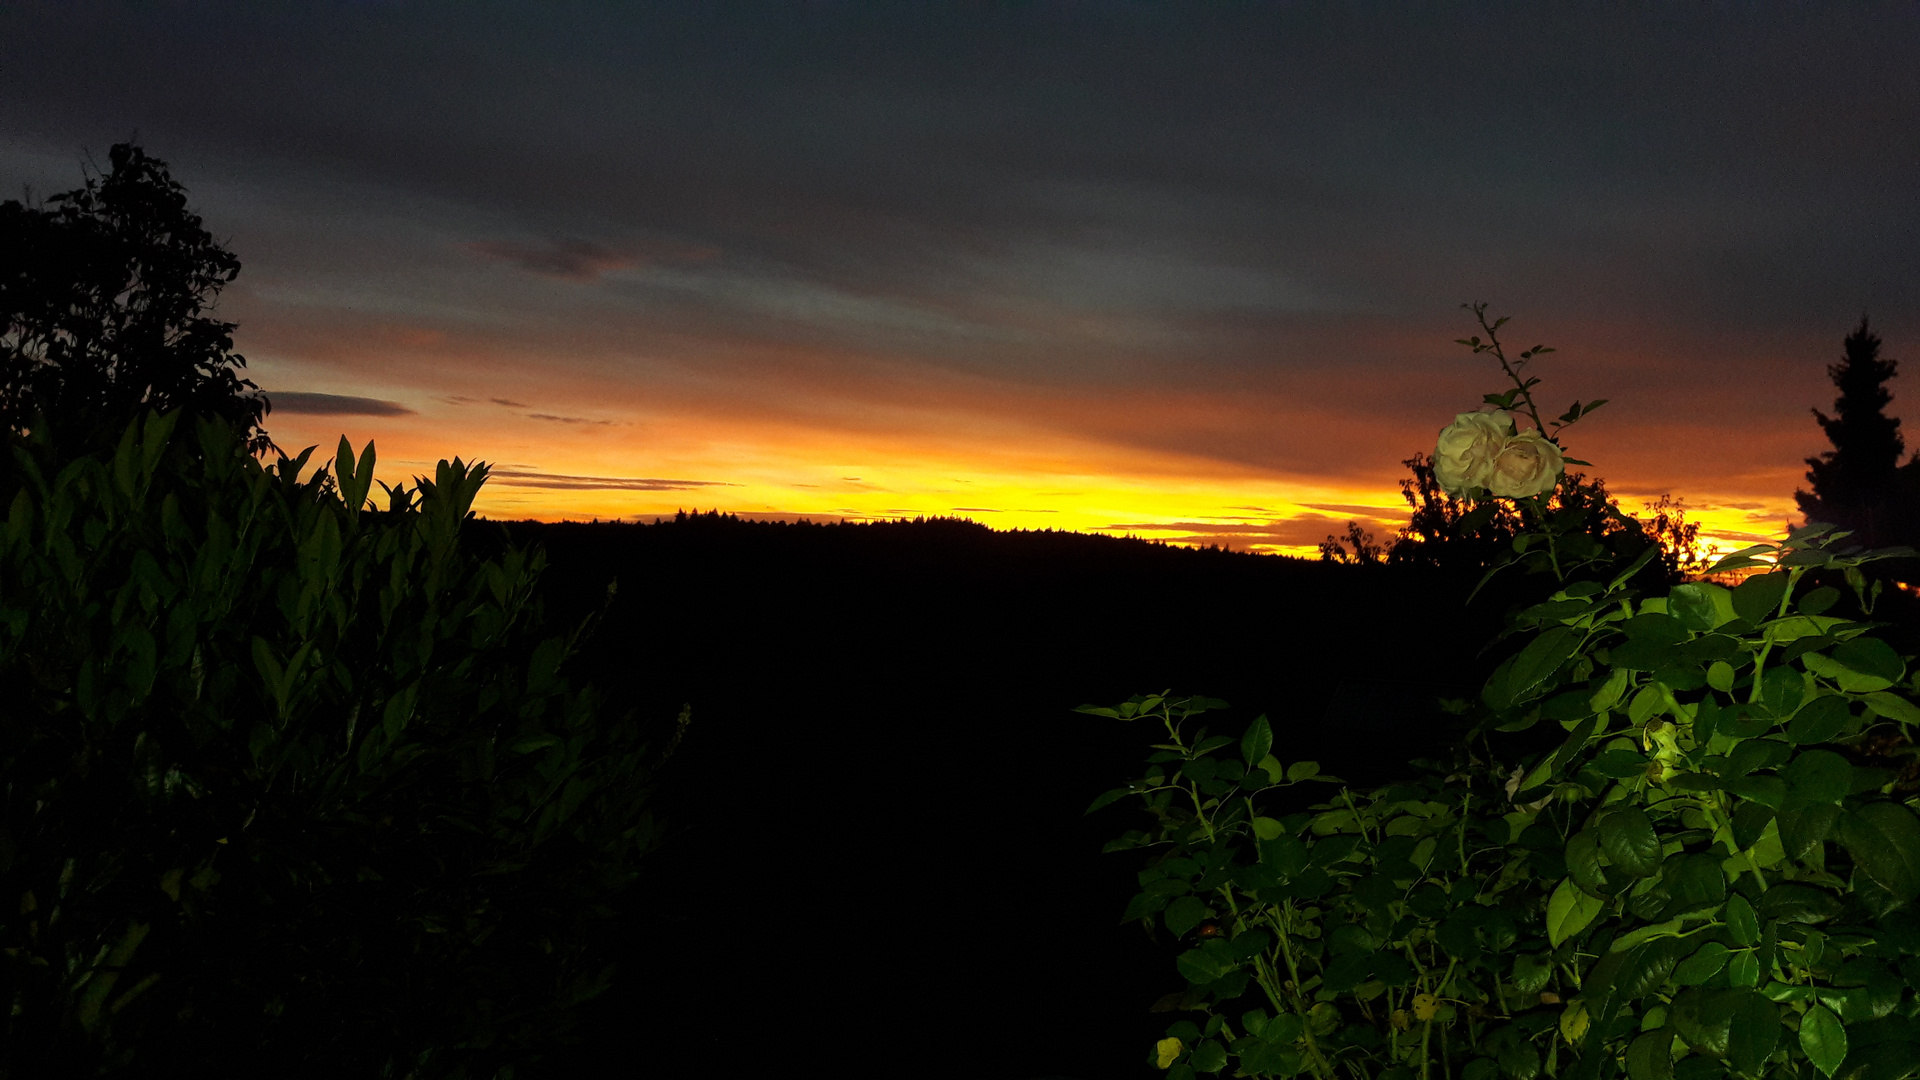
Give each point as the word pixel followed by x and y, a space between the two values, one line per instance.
pixel 105 293
pixel 293 787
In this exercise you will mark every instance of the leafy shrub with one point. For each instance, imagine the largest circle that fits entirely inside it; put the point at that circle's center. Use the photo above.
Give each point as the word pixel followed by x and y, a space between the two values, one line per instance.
pixel 291 782
pixel 1712 872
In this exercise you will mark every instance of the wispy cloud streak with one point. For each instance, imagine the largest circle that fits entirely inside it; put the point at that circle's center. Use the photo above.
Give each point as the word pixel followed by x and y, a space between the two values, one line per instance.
pixel 562 482
pixel 299 402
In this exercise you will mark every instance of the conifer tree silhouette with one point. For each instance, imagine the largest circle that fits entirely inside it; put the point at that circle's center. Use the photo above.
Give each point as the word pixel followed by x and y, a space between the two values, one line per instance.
pixel 1854 483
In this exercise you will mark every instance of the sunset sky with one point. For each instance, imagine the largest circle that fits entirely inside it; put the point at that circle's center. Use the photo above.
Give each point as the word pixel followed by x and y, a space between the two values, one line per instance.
pixel 1187 271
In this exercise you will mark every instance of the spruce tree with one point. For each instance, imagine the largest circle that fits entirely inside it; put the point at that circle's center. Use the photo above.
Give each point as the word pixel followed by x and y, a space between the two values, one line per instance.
pixel 1853 484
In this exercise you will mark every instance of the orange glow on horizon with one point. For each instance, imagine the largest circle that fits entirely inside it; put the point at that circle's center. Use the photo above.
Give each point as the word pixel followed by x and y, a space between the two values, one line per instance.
pixel 638 471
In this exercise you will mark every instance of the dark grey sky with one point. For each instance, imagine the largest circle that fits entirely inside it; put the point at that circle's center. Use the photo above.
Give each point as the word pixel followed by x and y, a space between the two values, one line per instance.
pixel 1234 234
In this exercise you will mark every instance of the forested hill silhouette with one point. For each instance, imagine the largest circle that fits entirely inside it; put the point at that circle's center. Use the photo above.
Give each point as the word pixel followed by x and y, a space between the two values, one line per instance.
pixel 877 810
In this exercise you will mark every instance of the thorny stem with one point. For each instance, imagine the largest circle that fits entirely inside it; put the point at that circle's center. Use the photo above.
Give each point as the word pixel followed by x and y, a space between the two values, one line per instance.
pixel 1500 354
pixel 1321 1066
pixel 1358 822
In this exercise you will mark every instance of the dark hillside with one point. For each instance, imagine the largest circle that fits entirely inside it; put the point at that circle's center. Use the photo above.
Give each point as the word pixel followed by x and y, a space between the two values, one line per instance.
pixel 879 862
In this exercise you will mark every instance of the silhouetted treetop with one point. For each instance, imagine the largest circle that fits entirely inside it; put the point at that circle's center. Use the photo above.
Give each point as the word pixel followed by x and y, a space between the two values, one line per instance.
pixel 1853 482
pixel 105 292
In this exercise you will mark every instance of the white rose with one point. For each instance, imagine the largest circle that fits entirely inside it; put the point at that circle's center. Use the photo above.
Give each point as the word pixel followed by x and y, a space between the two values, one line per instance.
pixel 1527 465
pixel 1464 456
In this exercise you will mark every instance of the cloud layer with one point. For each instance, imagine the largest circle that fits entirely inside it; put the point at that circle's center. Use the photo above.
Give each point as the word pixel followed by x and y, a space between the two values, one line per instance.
pixel 1137 250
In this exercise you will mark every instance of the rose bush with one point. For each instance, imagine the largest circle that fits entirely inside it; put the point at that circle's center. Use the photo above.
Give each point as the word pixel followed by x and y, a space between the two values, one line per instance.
pixel 1713 873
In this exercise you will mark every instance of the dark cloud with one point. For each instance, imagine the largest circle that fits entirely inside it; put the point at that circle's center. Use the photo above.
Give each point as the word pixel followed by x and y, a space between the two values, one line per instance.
pixel 553 419
pixel 508 403
pixel 530 478
pixel 573 260
pixel 309 404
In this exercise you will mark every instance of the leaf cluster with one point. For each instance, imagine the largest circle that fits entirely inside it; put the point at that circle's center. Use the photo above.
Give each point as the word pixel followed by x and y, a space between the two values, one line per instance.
pixel 290 779
pixel 1713 873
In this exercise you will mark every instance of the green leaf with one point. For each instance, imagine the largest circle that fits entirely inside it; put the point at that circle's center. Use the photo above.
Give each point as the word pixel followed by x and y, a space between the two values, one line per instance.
pixel 1824 1039
pixel 1496 692
pixel 1303 770
pixel 1884 840
pixel 1696 883
pixel 1650 1056
pixel 1819 720
pixel 1611 691
pixel 1783 689
pixel 1583 863
pixel 1893 707
pixel 1655 628
pixel 1720 676
pixel 1767 790
pixel 1202 967
pixel 1871 656
pixel 1758 598
pixel 1185 913
pixel 1701 606
pixel 1265 828
pixel 1749 823
pixel 1816 776
pixel 1798 627
pixel 1795 902
pixel 1704 1018
pixel 1550 766
pixel 1651 966
pixel 1704 964
pixel 1755 1032
pixel 1633 567
pixel 1250 944
pixel 1742 924
pixel 1743 969
pixel 1257 741
pixel 1569 911
pixel 1803 827
pixel 1628 838
pixel 1208 1057
pixel 1756 754
pixel 1540 659
pixel 1285 854
pixel 1819 600
pixel 1806 557
pixel 1530 973
pixel 1520 1060
pixel 1620 764
pixel 1853 682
